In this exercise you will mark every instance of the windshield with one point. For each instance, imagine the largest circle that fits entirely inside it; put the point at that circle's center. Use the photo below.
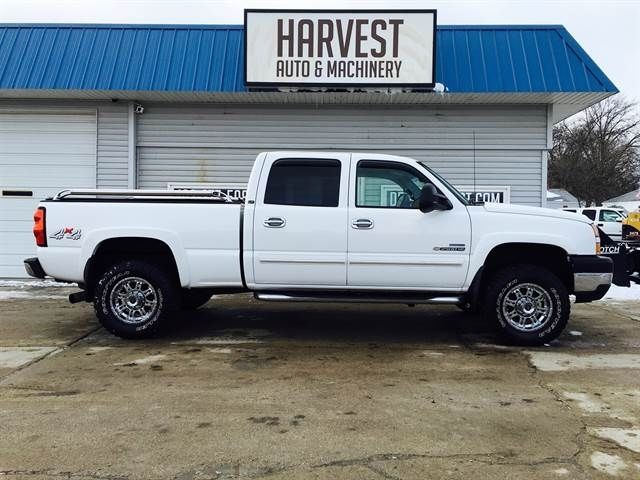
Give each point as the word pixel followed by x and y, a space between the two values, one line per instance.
pixel 451 188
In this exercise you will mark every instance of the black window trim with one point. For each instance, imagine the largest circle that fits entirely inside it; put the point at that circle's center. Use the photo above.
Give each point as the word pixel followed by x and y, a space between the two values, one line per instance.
pixel 390 164
pixel 304 161
pixel 591 210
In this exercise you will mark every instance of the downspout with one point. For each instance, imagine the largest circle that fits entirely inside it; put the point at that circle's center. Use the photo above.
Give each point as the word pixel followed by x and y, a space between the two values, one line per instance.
pixel 132 173
pixel 545 156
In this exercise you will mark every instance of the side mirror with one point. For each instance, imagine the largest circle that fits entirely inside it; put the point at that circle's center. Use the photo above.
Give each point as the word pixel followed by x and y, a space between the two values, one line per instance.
pixel 431 200
pixel 427 200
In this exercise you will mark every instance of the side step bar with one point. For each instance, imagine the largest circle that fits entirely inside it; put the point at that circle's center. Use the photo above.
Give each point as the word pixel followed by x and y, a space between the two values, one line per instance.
pixel 355 298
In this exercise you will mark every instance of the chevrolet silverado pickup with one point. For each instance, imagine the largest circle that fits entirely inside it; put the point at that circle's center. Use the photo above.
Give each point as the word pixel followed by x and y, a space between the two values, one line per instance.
pixel 325 227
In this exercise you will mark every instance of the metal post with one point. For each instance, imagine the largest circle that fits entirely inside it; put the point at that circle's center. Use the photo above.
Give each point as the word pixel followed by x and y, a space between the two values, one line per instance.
pixel 132 172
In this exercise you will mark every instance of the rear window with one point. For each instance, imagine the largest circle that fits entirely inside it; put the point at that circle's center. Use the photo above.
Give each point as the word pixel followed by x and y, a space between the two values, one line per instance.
pixel 589 214
pixel 309 183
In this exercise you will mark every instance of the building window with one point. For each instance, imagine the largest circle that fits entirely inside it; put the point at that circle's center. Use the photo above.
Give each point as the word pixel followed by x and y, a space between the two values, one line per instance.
pixel 309 183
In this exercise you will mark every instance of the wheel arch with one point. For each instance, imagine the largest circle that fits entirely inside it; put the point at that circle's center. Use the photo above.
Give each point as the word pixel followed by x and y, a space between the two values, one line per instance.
pixel 111 250
pixel 551 257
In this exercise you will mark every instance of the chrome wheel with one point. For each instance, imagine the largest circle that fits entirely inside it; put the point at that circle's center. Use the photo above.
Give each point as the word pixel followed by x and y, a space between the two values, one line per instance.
pixel 133 300
pixel 527 307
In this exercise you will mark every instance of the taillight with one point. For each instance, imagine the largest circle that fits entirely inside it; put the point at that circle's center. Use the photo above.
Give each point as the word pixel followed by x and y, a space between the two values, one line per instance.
pixel 597 235
pixel 40 227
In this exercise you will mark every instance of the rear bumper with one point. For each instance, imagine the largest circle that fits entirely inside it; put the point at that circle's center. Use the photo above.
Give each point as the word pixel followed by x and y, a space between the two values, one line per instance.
pixel 592 276
pixel 33 267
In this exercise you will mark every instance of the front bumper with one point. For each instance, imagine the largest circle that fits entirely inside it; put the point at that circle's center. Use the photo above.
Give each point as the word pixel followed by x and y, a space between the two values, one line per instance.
pixel 33 267
pixel 592 276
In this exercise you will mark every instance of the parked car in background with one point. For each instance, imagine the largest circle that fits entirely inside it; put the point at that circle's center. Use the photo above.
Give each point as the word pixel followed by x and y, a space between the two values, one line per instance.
pixel 609 219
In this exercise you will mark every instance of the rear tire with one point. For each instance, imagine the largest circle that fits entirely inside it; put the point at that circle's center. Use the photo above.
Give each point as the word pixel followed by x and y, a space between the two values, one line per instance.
pixel 195 298
pixel 135 299
pixel 528 304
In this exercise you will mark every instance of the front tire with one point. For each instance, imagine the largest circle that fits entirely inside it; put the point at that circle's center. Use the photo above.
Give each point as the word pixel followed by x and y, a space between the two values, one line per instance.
pixel 528 304
pixel 134 299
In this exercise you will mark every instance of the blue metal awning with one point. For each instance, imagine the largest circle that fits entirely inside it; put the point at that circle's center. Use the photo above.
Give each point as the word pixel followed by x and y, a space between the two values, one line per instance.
pixel 209 59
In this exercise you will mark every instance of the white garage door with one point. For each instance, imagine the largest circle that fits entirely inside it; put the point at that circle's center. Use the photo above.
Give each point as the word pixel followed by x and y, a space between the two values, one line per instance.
pixel 40 154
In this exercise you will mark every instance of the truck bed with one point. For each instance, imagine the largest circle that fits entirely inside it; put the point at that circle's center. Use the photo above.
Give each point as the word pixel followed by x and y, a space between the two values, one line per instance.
pixel 205 230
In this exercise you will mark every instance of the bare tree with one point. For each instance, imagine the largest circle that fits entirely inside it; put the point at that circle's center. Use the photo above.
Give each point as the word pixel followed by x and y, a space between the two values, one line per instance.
pixel 598 156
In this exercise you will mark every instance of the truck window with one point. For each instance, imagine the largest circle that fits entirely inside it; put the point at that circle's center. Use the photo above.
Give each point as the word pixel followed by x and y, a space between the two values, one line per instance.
pixel 589 213
pixel 609 216
pixel 382 184
pixel 309 183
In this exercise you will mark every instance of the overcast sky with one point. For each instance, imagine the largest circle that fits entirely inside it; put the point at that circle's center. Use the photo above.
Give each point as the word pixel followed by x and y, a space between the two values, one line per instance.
pixel 608 30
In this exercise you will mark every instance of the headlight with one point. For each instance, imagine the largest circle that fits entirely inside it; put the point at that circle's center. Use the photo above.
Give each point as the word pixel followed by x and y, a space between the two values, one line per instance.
pixel 597 235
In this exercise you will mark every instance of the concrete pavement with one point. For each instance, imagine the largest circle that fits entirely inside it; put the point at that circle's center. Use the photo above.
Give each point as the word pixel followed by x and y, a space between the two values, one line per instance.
pixel 243 389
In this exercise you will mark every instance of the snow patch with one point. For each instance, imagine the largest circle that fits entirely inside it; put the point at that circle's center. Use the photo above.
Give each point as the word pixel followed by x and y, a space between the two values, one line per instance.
pixel 609 464
pixel 16 294
pixel 223 341
pixel 561 471
pixel 142 361
pixel 429 353
pixel 35 283
pixel 623 293
pixel 558 362
pixel 586 403
pixel 575 333
pixel 552 196
pixel 220 350
pixel 14 357
pixel 628 438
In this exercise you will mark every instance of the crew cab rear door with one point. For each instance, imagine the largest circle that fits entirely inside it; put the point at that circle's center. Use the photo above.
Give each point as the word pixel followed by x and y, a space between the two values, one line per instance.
pixel 300 220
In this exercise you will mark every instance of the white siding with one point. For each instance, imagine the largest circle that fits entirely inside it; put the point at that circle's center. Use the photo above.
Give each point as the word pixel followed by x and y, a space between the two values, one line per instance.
pixel 112 145
pixel 212 143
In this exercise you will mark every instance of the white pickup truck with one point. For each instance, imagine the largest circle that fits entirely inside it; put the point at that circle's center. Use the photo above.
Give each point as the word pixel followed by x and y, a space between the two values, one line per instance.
pixel 320 226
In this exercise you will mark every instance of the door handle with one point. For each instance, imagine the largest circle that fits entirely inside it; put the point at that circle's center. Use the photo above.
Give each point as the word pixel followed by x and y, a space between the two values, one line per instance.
pixel 601 225
pixel 362 224
pixel 274 222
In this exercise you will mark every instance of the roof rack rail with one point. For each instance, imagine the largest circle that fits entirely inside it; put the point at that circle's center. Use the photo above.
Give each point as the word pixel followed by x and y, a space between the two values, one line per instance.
pixel 214 195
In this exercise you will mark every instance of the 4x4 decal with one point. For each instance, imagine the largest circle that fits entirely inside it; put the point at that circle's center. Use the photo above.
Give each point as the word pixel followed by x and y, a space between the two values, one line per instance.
pixel 67 232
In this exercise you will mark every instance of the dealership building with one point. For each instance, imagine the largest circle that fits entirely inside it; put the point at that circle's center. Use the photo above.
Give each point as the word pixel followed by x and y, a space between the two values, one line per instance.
pixel 170 106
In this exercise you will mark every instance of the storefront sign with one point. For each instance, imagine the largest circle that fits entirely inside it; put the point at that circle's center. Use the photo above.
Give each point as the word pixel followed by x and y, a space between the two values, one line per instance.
pixel 234 191
pixel 391 48
pixel 480 194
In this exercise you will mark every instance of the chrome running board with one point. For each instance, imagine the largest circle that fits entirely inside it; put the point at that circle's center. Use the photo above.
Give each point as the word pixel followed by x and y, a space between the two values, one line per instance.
pixel 346 297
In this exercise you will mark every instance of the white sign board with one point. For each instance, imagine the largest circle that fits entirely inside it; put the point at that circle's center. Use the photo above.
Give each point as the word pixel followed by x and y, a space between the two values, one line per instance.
pixel 323 48
pixel 236 191
pixel 478 194
pixel 484 194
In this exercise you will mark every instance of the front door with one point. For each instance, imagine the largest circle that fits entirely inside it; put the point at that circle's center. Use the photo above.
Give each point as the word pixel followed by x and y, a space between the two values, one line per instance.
pixel 300 232
pixel 391 242
pixel 610 222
